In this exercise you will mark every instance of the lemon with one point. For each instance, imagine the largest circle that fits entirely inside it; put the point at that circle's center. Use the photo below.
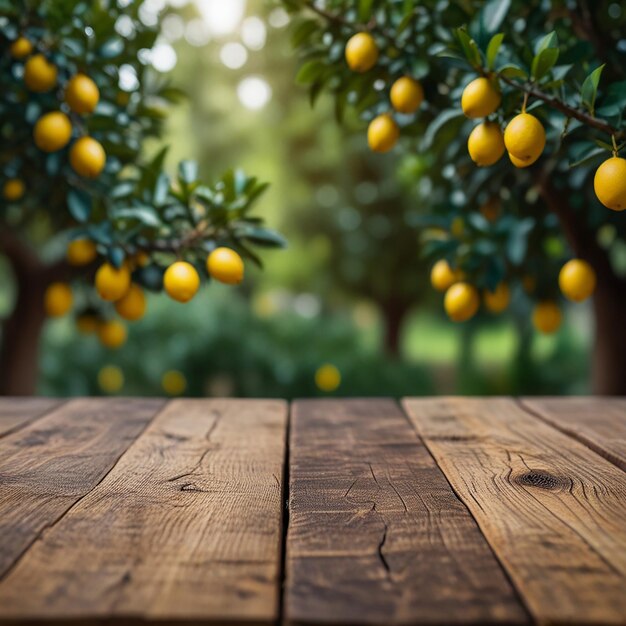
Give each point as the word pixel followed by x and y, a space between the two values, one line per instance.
pixel 577 280
pixel 547 317
pixel 39 74
pixel 57 299
pixel 524 138
pixel 21 48
pixel 13 189
pixel 140 259
pixel 132 306
pixel 490 210
pixel 110 379
pixel 610 183
pixel 480 98
pixel 361 52
pixel 181 281
pixel 81 252
pixel 498 300
pixel 87 157
pixel 52 131
pixel 382 133
pixel 82 94
pixel 112 334
pixel 461 302
pixel 327 377
pixel 486 144
pixel 442 276
pixel 225 265
pixel 457 228
pixel 87 323
pixel 406 95
pixel 112 283
pixel 174 383
pixel 519 163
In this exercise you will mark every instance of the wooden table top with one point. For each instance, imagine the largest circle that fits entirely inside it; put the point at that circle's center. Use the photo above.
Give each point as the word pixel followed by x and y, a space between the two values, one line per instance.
pixel 432 510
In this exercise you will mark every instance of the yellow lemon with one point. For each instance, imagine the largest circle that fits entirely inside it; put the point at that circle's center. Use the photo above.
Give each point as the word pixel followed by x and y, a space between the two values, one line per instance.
pixel 480 98
pixel 457 228
pixel 490 210
pixel 140 259
pixel 498 300
pixel 87 323
pixel 610 183
pixel 461 302
pixel 442 276
pixel 577 280
pixel 87 157
pixel 111 379
pixel 112 334
pixel 547 317
pixel 21 48
pixel 327 377
pixel 13 189
pixel 52 131
pixel 39 74
pixel 82 94
pixel 524 138
pixel 486 144
pixel 382 133
pixel 519 163
pixel 81 252
pixel 58 299
pixel 225 265
pixel 132 306
pixel 361 52
pixel 406 95
pixel 112 283
pixel 174 383
pixel 181 281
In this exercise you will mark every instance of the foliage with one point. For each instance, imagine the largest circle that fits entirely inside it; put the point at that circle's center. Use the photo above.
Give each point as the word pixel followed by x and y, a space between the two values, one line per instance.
pixel 133 206
pixel 567 61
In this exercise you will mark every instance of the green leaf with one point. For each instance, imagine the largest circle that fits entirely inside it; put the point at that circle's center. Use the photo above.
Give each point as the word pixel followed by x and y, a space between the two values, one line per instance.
pixel 79 205
pixel 365 10
pixel 589 90
pixel 585 153
pixel 543 62
pixel 493 13
pixel 512 71
pixel 493 48
pixel 310 71
pixel 438 123
pixel 112 48
pixel 303 31
pixel 262 237
pixel 142 213
pixel 116 256
pixel 188 171
pixel 470 49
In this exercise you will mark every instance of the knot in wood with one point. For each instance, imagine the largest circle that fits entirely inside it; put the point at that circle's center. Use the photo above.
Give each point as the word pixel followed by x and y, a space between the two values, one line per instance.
pixel 542 480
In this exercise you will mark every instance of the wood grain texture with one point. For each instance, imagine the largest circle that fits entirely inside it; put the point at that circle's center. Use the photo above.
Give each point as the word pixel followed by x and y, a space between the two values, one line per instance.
pixel 15 413
pixel 552 509
pixel 599 423
pixel 49 465
pixel 376 535
pixel 186 527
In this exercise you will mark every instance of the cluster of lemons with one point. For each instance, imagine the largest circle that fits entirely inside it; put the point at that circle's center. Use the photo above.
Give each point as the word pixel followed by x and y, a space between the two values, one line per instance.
pixel 114 284
pixel 524 137
pixel 53 130
pixel 577 281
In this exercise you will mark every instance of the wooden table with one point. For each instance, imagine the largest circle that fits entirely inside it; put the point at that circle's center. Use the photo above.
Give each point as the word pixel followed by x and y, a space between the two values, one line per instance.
pixel 435 510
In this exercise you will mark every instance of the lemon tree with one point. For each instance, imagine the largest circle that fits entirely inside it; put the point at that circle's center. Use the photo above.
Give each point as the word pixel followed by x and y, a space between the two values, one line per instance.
pixel 518 123
pixel 88 220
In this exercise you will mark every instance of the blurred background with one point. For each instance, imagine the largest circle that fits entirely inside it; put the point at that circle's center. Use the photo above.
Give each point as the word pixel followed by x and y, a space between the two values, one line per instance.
pixel 347 309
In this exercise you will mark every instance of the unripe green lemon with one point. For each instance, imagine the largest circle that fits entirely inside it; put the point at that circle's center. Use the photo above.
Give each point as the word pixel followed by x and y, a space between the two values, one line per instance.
pixel 610 183
pixel 525 138
pixel 577 280
pixel 480 98
pixel 406 95
pixel 486 144
pixel 382 133
pixel 361 52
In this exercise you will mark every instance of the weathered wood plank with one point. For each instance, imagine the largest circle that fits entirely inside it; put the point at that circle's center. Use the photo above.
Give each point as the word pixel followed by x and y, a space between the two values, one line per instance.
pixel 15 413
pixel 376 535
pixel 552 509
pixel 47 466
pixel 185 528
pixel 599 423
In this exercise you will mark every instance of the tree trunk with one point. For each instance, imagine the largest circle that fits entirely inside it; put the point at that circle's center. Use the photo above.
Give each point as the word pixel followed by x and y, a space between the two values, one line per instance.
pixel 609 356
pixel 394 311
pixel 19 354
pixel 609 300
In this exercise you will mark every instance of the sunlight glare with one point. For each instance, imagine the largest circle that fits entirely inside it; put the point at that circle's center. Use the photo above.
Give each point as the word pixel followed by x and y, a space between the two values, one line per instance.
pixel 222 18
